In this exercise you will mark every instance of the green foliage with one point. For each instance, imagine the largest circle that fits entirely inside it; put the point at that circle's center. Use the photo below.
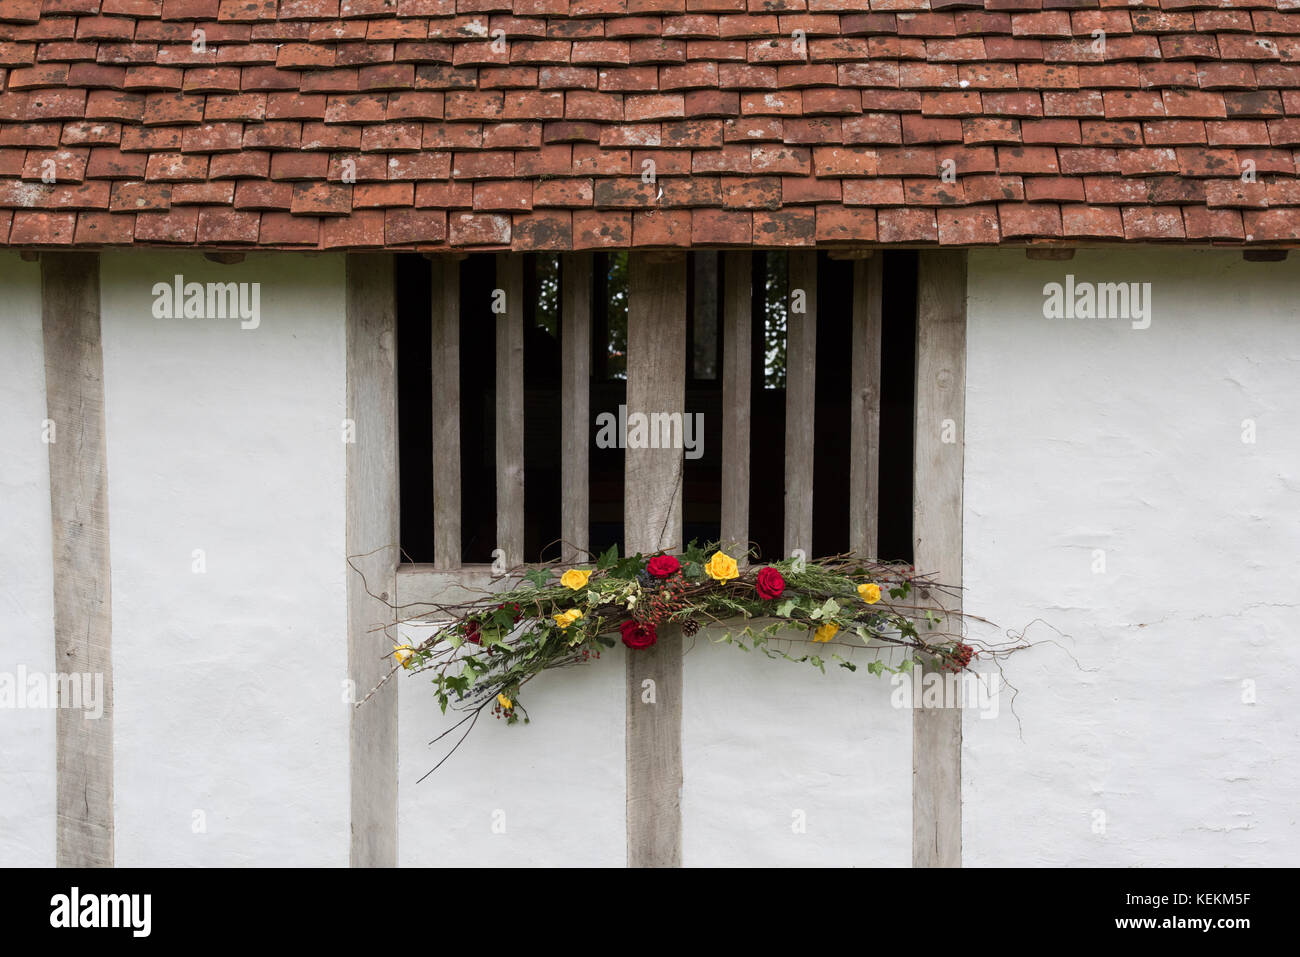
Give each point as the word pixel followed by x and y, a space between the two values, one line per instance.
pixel 512 651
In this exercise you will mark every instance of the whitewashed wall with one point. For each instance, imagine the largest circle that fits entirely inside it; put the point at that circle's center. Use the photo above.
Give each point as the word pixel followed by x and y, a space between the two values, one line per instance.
pixel 228 683
pixel 26 571
pixel 547 793
pixel 1082 435
pixel 1087 436
pixel 781 766
pixel 785 766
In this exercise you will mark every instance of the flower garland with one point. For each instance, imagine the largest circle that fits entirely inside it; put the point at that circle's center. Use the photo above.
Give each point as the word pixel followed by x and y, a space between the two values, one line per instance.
pixel 485 651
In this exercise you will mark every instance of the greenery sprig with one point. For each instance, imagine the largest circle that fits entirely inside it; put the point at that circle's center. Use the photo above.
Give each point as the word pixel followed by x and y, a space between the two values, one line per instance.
pixel 483 652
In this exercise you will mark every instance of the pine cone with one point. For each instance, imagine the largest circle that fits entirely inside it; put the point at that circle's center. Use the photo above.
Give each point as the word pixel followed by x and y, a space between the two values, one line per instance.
pixel 689 627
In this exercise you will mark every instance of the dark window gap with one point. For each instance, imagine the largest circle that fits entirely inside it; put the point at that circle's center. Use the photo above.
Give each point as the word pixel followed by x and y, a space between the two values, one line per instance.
pixel 703 477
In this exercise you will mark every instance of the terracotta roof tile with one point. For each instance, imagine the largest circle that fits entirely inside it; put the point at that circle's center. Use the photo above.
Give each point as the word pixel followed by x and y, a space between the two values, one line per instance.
pixel 590 124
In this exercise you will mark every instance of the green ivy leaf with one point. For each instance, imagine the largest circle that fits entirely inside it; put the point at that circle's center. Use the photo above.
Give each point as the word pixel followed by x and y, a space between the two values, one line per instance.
pixel 539 577
pixel 607 559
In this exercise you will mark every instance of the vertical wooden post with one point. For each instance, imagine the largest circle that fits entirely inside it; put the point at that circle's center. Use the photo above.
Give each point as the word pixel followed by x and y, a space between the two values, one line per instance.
pixel 445 317
pixel 800 402
pixel 575 391
pixel 510 409
pixel 937 530
pixel 74 396
pixel 864 416
pixel 652 517
pixel 737 324
pixel 372 544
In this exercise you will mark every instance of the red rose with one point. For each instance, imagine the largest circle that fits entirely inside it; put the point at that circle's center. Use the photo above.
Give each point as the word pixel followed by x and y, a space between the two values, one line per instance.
pixel 663 566
pixel 637 635
pixel 470 630
pixel 770 584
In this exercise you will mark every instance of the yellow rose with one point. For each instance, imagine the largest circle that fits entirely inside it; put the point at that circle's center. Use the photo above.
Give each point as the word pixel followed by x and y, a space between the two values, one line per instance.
pixel 870 593
pixel 566 618
pixel 403 654
pixel 722 567
pixel 504 701
pixel 575 578
pixel 826 632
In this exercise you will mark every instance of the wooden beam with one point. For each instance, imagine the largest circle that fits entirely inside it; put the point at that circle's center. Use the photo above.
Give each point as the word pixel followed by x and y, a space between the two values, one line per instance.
pixel 652 517
pixel 74 396
pixel 737 333
pixel 575 389
pixel 937 530
pixel 372 546
pixel 800 401
pixel 510 409
pixel 864 415
pixel 446 412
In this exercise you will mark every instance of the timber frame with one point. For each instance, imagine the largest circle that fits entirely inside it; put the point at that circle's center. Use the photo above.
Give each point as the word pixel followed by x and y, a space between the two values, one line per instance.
pixel 655 381
pixel 653 503
pixel 656 345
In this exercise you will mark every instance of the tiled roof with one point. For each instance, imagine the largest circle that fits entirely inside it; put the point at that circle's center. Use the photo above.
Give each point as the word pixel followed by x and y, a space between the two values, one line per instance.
pixel 531 124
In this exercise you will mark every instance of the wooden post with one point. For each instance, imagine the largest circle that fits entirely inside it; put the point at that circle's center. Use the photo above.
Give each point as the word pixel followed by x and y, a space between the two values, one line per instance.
pixel 575 389
pixel 800 401
pixel 737 332
pixel 372 545
pixel 74 396
pixel 937 530
pixel 652 517
pixel 510 410
pixel 864 416
pixel 445 317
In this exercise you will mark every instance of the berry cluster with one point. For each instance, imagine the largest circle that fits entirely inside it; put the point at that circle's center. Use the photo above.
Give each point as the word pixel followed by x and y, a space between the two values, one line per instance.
pixel 663 603
pixel 959 657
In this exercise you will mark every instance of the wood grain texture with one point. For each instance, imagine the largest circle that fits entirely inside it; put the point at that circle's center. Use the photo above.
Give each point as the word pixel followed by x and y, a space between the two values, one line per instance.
pixel 864 414
pixel 372 544
pixel 652 507
pixel 575 402
pixel 737 331
pixel 74 395
pixel 800 404
pixel 510 409
pixel 445 318
pixel 937 531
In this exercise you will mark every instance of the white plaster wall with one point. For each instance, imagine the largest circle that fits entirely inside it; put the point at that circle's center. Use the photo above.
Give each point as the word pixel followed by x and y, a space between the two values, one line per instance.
pixel 781 765
pixel 1086 435
pixel 785 766
pixel 548 793
pixel 27 779
pixel 228 684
